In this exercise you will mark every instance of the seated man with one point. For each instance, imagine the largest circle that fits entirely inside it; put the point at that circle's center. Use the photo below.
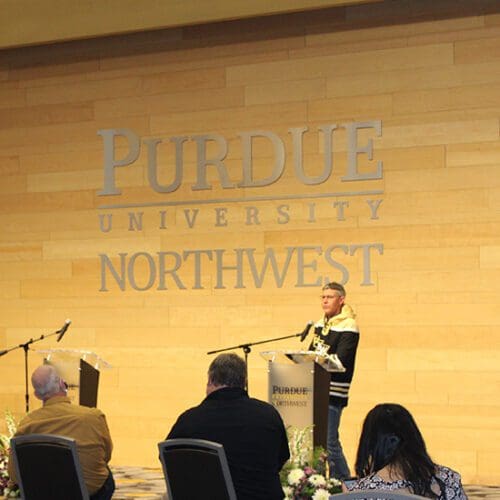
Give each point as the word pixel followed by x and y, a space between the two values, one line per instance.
pixel 251 431
pixel 87 426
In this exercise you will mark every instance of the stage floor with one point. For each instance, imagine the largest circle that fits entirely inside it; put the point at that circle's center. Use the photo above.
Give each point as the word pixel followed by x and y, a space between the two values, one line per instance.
pixel 139 482
pixel 148 484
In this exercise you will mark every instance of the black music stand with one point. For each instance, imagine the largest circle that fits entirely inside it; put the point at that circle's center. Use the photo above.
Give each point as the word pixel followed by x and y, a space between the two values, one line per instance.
pixel 26 347
pixel 247 348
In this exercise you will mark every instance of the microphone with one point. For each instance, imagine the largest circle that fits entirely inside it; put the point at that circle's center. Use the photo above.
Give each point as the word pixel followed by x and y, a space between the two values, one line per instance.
pixel 62 331
pixel 303 335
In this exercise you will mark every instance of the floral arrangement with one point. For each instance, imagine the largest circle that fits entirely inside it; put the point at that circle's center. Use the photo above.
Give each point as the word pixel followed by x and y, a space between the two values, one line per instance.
pixel 7 487
pixel 306 473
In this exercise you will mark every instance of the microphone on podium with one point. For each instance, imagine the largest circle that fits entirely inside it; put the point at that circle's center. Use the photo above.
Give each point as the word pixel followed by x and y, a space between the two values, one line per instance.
pixel 62 331
pixel 303 335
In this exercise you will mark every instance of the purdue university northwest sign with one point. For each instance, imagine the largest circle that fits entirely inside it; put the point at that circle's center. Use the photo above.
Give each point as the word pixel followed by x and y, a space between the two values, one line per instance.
pixel 300 266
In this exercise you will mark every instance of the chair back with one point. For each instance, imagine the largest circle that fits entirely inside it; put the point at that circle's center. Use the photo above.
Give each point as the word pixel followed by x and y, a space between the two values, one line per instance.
pixel 376 495
pixel 196 469
pixel 48 468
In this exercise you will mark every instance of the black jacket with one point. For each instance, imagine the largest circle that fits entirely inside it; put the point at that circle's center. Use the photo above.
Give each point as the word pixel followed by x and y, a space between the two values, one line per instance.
pixel 342 339
pixel 253 436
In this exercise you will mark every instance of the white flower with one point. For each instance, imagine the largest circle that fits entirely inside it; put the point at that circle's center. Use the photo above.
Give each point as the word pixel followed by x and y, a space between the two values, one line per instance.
pixel 287 491
pixel 333 481
pixel 317 480
pixel 295 475
pixel 321 495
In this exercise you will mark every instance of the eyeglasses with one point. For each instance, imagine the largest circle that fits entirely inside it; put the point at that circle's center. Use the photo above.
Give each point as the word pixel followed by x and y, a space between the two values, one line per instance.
pixel 328 297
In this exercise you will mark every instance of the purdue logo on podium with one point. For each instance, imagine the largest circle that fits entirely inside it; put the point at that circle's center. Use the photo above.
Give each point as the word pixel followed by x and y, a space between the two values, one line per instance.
pixel 286 395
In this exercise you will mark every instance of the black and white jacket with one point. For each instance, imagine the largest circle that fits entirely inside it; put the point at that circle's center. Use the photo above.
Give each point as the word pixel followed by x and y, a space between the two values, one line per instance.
pixel 341 334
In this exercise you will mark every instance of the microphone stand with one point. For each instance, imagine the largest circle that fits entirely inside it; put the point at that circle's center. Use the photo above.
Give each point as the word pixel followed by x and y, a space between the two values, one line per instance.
pixel 26 347
pixel 247 349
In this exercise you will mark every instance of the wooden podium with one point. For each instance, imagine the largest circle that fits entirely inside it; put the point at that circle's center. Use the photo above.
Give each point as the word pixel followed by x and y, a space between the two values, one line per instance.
pixel 299 384
pixel 79 369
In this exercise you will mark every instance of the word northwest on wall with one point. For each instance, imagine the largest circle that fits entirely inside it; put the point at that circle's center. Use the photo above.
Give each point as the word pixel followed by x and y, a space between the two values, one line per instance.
pixel 235 268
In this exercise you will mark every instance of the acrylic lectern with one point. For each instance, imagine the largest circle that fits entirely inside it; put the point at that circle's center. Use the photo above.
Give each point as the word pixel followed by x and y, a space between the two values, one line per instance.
pixel 80 370
pixel 299 383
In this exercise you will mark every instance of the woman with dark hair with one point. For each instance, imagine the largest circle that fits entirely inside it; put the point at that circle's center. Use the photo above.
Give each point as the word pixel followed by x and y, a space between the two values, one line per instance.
pixel 392 456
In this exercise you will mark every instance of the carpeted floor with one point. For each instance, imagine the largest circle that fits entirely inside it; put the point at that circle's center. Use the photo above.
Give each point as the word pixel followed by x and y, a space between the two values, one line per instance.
pixel 138 482
pixel 144 483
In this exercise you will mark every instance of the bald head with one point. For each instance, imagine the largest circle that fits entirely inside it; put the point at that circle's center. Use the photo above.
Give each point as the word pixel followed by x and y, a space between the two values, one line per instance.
pixel 47 383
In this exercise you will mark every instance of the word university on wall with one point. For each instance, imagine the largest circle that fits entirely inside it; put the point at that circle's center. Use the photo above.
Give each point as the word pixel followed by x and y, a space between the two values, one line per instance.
pixel 297 266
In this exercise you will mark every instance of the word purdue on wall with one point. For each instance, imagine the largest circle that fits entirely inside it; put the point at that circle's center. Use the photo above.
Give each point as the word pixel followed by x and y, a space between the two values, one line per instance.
pixel 299 266
pixel 216 159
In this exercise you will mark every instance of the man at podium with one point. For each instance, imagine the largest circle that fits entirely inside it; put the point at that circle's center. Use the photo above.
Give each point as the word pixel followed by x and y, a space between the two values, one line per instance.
pixel 337 333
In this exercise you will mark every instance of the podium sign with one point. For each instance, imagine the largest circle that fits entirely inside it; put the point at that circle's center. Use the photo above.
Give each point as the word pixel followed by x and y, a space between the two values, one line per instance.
pixel 291 392
pixel 298 388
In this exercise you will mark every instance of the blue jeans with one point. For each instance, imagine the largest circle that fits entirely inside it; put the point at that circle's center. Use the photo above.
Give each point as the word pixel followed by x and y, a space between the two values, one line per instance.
pixel 338 464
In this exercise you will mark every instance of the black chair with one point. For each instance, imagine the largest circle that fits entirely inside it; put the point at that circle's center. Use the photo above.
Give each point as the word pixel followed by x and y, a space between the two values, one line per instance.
pixel 196 469
pixel 375 495
pixel 48 468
